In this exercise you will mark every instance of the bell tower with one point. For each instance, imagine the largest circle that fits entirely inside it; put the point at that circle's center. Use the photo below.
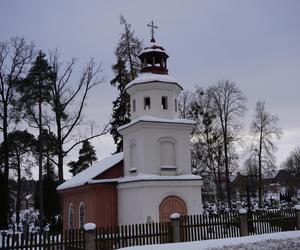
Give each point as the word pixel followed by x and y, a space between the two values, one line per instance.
pixel 154 93
pixel 157 156
pixel 154 57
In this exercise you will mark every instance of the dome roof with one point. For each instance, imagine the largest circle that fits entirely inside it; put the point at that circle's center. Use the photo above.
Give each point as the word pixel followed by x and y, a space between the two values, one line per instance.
pixel 154 59
pixel 153 47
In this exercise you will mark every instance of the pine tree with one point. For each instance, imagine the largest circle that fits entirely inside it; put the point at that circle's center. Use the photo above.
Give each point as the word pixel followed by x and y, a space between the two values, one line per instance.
pixel 87 156
pixel 20 145
pixel 125 70
pixel 35 92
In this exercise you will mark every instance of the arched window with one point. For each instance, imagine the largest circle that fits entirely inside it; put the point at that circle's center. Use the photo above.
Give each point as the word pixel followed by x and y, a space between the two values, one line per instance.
pixel 71 216
pixel 167 153
pixel 81 215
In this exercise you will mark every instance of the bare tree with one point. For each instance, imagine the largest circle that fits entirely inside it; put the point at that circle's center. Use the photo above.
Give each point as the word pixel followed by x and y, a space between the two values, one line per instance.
pixel 68 104
pixel 15 56
pixel 184 103
pixel 207 153
pixel 292 164
pixel 264 128
pixel 228 104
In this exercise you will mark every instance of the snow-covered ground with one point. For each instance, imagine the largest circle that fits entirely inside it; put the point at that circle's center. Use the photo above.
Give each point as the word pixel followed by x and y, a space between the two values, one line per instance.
pixel 283 240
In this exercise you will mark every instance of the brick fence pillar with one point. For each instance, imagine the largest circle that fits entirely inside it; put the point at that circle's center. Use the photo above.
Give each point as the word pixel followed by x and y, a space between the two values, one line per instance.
pixel 298 216
pixel 90 242
pixel 243 222
pixel 175 224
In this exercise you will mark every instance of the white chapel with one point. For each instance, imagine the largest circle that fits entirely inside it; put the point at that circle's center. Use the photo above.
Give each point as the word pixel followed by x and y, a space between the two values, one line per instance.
pixel 152 178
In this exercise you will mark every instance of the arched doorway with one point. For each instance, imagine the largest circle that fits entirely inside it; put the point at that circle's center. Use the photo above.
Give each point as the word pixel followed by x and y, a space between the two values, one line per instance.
pixel 171 204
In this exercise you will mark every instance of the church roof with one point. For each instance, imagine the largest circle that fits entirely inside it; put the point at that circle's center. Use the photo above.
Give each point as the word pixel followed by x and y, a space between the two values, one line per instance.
pixel 153 47
pixel 148 118
pixel 91 172
pixel 150 77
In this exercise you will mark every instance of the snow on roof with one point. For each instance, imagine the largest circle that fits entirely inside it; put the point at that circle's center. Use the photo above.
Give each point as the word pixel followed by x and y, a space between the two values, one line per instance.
pixel 153 47
pixel 91 172
pixel 152 50
pixel 150 77
pixel 148 118
pixel 153 177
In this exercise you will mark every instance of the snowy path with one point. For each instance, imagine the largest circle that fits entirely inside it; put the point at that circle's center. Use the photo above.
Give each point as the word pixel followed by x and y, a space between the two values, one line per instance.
pixel 283 240
pixel 287 244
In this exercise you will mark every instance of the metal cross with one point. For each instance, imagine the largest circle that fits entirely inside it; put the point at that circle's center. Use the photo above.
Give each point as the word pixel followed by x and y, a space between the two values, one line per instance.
pixel 152 29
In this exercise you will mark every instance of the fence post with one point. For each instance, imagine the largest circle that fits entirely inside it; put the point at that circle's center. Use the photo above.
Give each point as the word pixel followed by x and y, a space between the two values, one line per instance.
pixel 89 236
pixel 175 224
pixel 243 222
pixel 298 216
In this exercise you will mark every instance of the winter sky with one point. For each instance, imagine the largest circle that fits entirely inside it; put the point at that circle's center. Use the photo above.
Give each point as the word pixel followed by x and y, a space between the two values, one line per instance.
pixel 255 43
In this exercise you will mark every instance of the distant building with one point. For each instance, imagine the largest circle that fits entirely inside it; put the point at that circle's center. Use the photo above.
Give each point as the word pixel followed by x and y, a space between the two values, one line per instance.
pixel 277 184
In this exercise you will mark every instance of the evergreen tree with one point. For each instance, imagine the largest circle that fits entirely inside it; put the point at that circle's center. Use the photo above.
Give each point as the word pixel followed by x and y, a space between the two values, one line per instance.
pixel 87 156
pixel 35 91
pixel 125 70
pixel 20 145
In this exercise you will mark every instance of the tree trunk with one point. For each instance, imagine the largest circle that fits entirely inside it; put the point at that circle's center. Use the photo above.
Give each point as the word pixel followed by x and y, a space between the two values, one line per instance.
pixel 220 184
pixel 260 172
pixel 5 200
pixel 41 208
pixel 227 169
pixel 18 203
pixel 60 151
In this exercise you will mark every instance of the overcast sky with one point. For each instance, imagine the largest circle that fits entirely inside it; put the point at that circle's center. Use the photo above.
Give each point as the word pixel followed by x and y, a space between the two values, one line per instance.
pixel 254 43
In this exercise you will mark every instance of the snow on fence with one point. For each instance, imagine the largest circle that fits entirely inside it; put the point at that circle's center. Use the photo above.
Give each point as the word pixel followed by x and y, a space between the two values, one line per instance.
pixel 71 239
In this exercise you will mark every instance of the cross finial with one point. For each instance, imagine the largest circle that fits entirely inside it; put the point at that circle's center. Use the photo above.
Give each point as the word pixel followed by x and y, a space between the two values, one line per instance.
pixel 152 31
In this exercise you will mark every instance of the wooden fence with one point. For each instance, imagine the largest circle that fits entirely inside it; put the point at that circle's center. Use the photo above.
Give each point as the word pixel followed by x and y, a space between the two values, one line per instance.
pixel 204 227
pixel 262 222
pixel 71 239
pixel 133 235
pixel 185 228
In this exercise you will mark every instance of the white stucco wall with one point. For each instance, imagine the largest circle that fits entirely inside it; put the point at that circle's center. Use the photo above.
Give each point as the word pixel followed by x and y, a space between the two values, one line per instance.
pixel 155 91
pixel 147 137
pixel 140 199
